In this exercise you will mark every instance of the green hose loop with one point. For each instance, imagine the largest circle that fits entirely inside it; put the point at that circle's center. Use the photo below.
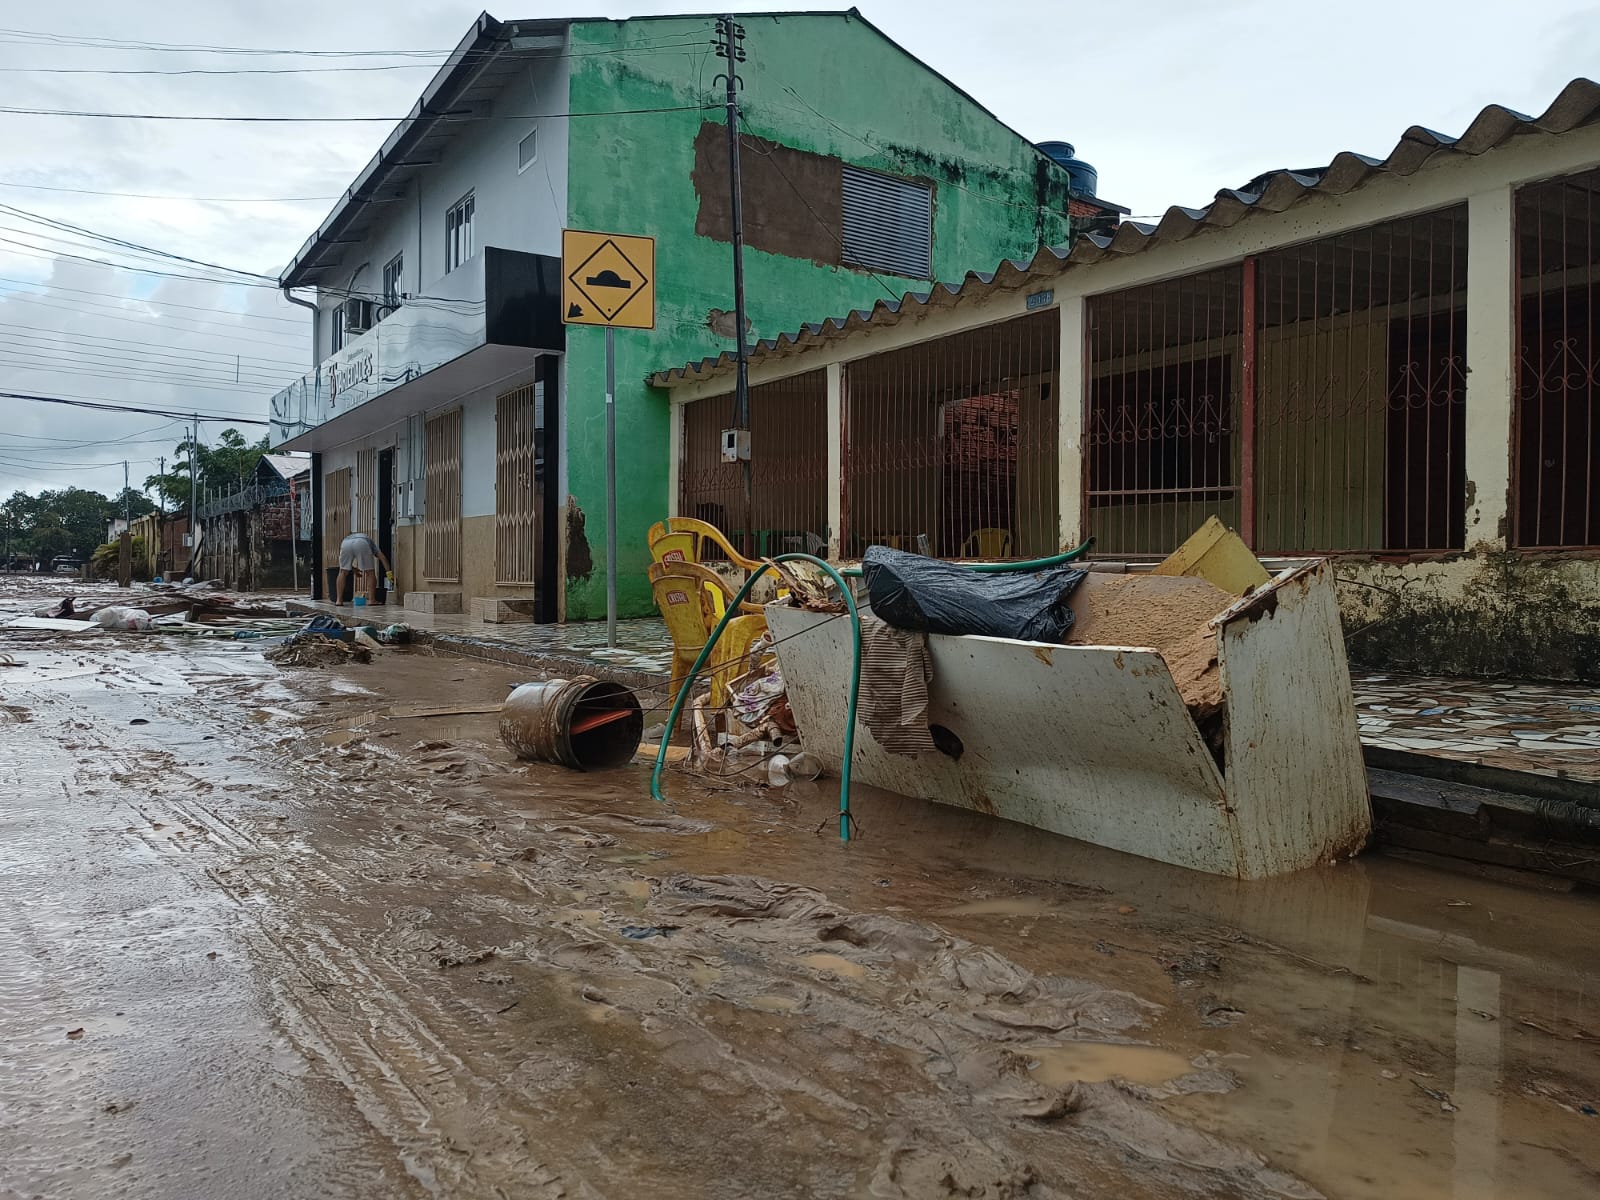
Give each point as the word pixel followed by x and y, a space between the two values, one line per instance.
pixel 855 682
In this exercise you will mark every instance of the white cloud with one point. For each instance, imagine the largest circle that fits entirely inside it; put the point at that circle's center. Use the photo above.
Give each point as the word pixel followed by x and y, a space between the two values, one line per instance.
pixel 1171 101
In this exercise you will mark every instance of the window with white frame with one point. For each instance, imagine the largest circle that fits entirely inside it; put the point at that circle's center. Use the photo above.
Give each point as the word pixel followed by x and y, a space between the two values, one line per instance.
pixel 888 223
pixel 458 233
pixel 393 274
pixel 528 150
pixel 336 334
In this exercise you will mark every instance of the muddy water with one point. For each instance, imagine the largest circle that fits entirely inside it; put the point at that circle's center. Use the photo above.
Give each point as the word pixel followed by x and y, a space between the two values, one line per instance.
pixel 454 973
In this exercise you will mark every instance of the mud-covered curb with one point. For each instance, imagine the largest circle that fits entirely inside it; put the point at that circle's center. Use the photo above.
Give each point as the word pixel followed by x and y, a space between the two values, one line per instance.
pixel 543 664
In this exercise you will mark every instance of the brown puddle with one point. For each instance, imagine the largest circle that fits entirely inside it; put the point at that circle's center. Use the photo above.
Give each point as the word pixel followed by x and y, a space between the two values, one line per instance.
pixel 835 964
pixel 1095 1062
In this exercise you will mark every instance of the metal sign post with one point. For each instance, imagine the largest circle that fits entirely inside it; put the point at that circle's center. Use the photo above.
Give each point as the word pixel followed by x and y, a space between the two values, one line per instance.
pixel 608 279
pixel 611 487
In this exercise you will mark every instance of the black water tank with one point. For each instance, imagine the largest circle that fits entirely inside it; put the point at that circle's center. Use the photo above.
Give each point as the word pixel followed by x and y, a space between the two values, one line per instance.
pixel 1085 179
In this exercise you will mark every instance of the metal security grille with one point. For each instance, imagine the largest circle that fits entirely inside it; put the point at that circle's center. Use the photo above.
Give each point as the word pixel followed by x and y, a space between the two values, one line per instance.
pixel 335 513
pixel 516 441
pixel 788 467
pixel 1161 450
pixel 888 223
pixel 366 514
pixel 1313 398
pixel 441 528
pixel 1361 367
pixel 951 445
pixel 1557 444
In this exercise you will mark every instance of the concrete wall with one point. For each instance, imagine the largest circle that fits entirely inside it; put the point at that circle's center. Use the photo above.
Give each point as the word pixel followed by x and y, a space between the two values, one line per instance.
pixel 875 107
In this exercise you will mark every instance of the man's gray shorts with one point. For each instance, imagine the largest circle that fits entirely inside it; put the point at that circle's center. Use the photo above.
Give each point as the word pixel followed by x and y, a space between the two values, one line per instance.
pixel 355 553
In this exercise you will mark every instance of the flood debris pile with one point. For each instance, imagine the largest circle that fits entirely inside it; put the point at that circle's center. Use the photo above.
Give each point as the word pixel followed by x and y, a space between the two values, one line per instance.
pixel 315 650
pixel 194 610
pixel 1168 610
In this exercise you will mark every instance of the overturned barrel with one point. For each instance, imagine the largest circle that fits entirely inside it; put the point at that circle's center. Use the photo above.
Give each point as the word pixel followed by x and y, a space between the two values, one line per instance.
pixel 583 723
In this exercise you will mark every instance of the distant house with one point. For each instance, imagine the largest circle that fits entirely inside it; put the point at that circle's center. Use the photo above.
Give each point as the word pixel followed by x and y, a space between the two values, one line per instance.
pixel 258 535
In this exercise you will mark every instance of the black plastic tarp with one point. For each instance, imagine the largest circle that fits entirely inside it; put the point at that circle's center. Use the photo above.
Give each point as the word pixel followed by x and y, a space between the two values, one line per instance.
pixel 928 594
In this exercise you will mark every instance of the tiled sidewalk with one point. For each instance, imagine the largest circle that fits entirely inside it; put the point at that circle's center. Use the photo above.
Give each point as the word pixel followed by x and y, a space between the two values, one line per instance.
pixel 643 651
pixel 1548 729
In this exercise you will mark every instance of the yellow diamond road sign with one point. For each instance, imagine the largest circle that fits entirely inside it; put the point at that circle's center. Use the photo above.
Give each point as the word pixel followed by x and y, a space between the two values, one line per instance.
pixel 608 279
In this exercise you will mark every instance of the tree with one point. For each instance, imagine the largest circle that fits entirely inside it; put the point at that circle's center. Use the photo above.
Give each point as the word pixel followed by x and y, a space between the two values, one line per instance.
pixel 65 521
pixel 231 462
pixel 132 503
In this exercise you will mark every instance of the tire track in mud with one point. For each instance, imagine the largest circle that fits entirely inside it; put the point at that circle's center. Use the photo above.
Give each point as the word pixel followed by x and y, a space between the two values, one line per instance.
pixel 911 1081
pixel 393 1060
pixel 351 1013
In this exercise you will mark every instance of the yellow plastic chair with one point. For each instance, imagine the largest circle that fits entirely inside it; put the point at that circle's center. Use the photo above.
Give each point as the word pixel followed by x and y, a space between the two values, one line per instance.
pixel 987 543
pixel 672 547
pixel 729 657
pixel 699 533
pixel 692 599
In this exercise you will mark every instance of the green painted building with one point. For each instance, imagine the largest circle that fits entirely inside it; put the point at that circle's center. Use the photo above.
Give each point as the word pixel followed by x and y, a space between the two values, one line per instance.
pixel 458 420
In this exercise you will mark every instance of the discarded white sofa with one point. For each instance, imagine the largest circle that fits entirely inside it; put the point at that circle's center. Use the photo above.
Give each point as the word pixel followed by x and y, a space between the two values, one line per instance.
pixel 1094 742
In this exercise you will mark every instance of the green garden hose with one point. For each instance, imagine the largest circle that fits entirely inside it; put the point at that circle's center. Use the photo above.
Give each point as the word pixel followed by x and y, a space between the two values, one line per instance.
pixel 1034 564
pixel 855 682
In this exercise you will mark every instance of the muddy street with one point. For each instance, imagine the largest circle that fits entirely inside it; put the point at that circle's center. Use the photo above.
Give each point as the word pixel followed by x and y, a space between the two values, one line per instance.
pixel 269 932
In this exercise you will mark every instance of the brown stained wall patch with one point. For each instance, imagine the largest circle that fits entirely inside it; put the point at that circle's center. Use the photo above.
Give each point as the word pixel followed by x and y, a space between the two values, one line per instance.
pixel 580 562
pixel 793 201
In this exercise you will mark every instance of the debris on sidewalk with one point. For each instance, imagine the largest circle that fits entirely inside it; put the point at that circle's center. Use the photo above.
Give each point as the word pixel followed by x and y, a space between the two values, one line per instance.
pixel 315 650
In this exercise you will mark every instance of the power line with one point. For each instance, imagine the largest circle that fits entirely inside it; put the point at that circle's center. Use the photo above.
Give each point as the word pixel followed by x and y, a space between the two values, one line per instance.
pixel 124 243
pixel 136 438
pixel 30 250
pixel 40 187
pixel 70 359
pixel 104 370
pixel 180 325
pixel 220 356
pixel 107 406
pixel 448 116
pixel 80 243
pixel 298 323
pixel 58 465
pixel 469 58
pixel 36 37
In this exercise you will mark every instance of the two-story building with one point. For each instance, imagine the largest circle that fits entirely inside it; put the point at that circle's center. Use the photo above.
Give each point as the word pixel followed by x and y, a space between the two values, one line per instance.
pixel 449 410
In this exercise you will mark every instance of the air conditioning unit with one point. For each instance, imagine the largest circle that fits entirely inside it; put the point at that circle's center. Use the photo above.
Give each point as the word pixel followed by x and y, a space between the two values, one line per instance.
pixel 357 316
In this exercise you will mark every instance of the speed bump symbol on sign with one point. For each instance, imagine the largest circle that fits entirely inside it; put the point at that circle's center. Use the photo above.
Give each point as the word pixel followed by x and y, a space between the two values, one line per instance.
pixel 608 279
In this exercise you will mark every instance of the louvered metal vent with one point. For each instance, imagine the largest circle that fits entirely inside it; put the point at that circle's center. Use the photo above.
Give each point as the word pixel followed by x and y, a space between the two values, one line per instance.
pixel 888 224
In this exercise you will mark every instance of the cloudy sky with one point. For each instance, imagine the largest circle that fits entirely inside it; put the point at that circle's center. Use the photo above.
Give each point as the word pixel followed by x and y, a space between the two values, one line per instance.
pixel 1171 101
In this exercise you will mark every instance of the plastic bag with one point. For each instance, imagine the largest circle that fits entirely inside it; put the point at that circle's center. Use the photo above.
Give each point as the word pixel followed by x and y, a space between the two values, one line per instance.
pixel 117 617
pixel 927 594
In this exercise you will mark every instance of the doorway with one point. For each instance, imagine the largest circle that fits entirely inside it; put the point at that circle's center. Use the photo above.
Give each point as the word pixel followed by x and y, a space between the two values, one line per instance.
pixel 385 520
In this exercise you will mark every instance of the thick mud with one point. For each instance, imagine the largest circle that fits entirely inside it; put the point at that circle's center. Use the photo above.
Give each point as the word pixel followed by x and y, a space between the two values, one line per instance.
pixel 318 945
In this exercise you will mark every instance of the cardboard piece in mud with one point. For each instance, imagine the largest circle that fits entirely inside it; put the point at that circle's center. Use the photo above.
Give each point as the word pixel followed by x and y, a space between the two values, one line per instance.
pixel 1096 741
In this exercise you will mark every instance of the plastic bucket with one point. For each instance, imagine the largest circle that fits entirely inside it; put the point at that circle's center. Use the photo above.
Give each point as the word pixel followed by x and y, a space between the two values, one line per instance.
pixel 584 723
